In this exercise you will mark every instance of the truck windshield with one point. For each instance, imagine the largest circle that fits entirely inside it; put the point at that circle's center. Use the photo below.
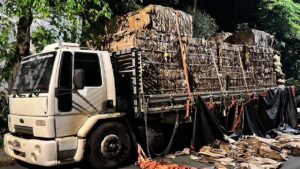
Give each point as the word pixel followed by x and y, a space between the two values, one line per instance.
pixel 34 74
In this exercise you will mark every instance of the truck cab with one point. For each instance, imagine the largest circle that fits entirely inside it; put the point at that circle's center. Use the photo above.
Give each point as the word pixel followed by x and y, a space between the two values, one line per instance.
pixel 59 106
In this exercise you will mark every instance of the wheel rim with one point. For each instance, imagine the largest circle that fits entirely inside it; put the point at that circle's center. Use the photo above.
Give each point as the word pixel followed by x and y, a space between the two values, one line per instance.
pixel 111 146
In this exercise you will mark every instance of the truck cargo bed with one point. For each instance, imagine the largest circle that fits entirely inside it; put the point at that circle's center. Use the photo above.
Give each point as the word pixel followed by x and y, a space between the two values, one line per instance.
pixel 140 84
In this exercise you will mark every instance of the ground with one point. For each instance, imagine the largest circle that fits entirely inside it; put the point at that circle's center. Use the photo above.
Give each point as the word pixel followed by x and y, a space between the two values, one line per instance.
pixel 292 163
pixel 5 160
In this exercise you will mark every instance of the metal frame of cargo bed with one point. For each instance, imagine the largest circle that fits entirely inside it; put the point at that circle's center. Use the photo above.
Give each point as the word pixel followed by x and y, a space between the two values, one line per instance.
pixel 128 62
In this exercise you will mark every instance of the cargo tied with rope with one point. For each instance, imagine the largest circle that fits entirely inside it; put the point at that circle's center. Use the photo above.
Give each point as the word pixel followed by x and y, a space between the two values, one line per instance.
pixel 170 62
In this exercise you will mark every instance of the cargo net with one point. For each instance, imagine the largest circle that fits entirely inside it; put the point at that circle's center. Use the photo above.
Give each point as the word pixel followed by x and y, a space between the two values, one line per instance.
pixel 234 67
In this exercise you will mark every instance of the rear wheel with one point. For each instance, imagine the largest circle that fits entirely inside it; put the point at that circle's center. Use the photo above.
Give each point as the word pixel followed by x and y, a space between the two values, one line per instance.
pixel 108 146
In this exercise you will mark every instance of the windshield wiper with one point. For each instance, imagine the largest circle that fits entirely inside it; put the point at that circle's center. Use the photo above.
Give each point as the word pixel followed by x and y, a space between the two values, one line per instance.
pixel 18 92
pixel 36 92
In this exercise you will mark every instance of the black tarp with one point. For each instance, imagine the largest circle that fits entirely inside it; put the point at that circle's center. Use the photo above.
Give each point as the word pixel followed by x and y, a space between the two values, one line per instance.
pixel 274 109
pixel 206 128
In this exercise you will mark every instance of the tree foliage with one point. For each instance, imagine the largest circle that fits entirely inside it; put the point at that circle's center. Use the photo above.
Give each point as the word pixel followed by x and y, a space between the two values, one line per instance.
pixel 203 24
pixel 7 44
pixel 42 37
pixel 3 115
pixel 67 19
pixel 281 17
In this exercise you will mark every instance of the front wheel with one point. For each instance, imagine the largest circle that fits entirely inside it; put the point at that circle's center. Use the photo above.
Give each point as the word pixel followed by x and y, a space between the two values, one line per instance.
pixel 108 146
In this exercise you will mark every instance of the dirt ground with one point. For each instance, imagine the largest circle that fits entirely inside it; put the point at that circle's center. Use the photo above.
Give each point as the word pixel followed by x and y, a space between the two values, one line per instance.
pixel 5 160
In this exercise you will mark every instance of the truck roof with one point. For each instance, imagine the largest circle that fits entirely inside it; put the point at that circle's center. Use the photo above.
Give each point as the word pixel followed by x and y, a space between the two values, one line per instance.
pixel 60 45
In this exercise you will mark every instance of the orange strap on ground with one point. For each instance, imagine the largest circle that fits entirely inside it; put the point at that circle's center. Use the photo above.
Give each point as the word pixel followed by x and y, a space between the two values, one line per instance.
pixel 185 68
pixel 146 163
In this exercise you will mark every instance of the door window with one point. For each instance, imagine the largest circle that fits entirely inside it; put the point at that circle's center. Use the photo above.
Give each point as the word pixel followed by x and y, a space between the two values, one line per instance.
pixel 89 63
pixel 64 90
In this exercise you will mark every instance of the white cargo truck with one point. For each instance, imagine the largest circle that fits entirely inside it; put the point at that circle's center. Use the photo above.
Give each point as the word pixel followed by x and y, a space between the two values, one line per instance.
pixel 68 104
pixel 51 117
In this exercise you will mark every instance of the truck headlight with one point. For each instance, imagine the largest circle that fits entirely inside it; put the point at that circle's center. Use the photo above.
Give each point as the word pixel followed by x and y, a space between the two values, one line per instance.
pixel 40 122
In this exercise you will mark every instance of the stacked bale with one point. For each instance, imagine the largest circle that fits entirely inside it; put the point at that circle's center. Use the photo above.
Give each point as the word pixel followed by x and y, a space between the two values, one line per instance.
pixel 219 37
pixel 155 17
pixel 211 64
pixel 116 24
pixel 161 57
pixel 252 37
pixel 261 63
pixel 201 55
pixel 277 67
pixel 147 39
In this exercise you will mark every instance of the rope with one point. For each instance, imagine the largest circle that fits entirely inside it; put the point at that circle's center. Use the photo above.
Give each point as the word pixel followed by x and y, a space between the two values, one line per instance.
pixel 146 129
pixel 217 71
pixel 220 51
pixel 243 72
pixel 238 115
pixel 185 68
pixel 176 125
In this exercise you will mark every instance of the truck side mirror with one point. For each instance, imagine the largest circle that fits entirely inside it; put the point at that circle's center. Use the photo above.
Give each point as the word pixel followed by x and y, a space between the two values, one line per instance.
pixel 78 79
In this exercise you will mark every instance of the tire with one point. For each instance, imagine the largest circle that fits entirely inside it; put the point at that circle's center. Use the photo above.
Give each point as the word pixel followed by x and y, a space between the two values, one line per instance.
pixel 108 146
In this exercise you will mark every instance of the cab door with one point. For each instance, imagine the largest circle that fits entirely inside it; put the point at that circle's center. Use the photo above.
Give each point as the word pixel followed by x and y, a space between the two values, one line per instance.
pixel 92 98
pixel 74 106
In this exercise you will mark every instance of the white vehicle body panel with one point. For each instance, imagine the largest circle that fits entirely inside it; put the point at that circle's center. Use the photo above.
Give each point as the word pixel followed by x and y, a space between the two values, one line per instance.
pixel 110 80
pixel 43 152
pixel 32 151
pixel 39 114
pixel 89 124
pixel 30 123
pixel 69 125
pixel 34 106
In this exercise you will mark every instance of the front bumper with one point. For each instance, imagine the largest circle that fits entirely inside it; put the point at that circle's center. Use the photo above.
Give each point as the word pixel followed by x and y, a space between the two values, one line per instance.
pixel 38 152
pixel 44 152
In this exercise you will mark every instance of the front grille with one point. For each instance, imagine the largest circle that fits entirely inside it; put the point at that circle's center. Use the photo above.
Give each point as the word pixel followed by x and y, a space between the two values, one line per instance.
pixel 23 130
